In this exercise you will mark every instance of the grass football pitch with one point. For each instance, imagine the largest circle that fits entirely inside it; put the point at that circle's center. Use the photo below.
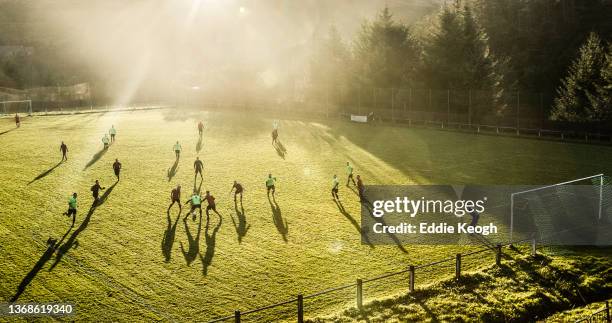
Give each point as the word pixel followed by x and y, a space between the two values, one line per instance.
pixel 130 260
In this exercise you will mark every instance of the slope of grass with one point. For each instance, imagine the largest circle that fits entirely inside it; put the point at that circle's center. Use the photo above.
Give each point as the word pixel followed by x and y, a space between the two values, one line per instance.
pixel 578 313
pixel 522 289
pixel 128 258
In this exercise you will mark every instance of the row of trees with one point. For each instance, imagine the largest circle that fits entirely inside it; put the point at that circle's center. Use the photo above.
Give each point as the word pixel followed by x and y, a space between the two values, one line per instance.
pixel 491 46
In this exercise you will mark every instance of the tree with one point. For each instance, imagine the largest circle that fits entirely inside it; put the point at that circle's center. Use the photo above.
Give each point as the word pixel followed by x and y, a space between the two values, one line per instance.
pixel 458 55
pixel 386 54
pixel 584 95
pixel 329 63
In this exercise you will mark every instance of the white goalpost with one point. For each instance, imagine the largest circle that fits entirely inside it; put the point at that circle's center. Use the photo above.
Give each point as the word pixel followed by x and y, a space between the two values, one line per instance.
pixel 560 196
pixel 16 106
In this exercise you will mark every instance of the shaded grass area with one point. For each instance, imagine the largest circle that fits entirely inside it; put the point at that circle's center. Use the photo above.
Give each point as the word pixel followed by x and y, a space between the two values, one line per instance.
pixel 522 289
pixel 577 313
pixel 131 257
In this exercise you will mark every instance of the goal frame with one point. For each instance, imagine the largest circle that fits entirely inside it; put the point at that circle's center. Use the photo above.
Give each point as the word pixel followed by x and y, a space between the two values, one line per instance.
pixel 29 102
pixel 512 195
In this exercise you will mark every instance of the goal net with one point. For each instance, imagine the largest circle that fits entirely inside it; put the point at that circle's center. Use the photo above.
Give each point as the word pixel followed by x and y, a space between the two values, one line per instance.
pixel 16 106
pixel 575 212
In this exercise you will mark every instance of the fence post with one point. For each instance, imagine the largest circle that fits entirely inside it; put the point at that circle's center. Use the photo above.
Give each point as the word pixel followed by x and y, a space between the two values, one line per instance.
pixel 359 293
pixel 237 316
pixel 300 308
pixel 411 277
pixel 458 266
pixel 498 254
pixel 608 312
pixel 533 247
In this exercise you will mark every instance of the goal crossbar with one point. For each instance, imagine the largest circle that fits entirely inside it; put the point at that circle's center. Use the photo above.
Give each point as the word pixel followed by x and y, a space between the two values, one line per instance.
pixel 4 103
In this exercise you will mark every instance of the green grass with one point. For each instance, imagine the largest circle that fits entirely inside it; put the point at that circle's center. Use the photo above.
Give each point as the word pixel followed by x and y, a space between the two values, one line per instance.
pixel 114 266
pixel 522 289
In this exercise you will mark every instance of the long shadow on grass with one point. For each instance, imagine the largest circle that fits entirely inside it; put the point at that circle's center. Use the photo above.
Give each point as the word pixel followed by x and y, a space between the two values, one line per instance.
pixel 197 188
pixel 45 173
pixel 280 149
pixel 72 241
pixel 7 131
pixel 173 170
pixel 169 234
pixel 95 158
pixel 199 145
pixel 241 227
pixel 52 245
pixel 348 216
pixel 368 207
pixel 194 244
pixel 281 225
pixel 210 245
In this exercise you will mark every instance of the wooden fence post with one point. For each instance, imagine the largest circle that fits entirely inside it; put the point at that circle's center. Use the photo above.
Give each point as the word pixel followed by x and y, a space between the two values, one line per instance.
pixel 608 312
pixel 411 277
pixel 300 308
pixel 359 293
pixel 498 255
pixel 533 247
pixel 237 316
pixel 458 266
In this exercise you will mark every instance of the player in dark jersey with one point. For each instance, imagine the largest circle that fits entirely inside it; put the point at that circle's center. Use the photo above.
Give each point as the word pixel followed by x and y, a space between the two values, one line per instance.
pixel 175 197
pixel 17 120
pixel 95 191
pixel 64 150
pixel 117 168
pixel 200 128
pixel 198 166
pixel 361 189
pixel 239 189
pixel 211 203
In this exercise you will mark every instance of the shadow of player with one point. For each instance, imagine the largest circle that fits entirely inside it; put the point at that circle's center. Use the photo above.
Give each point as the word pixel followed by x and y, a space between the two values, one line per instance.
pixel 173 170
pixel 241 226
pixel 169 235
pixel 45 173
pixel 95 158
pixel 7 131
pixel 194 243
pixel 210 245
pixel 280 149
pixel 72 241
pixel 348 216
pixel 52 245
pixel 281 225
pixel 199 144
pixel 368 207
